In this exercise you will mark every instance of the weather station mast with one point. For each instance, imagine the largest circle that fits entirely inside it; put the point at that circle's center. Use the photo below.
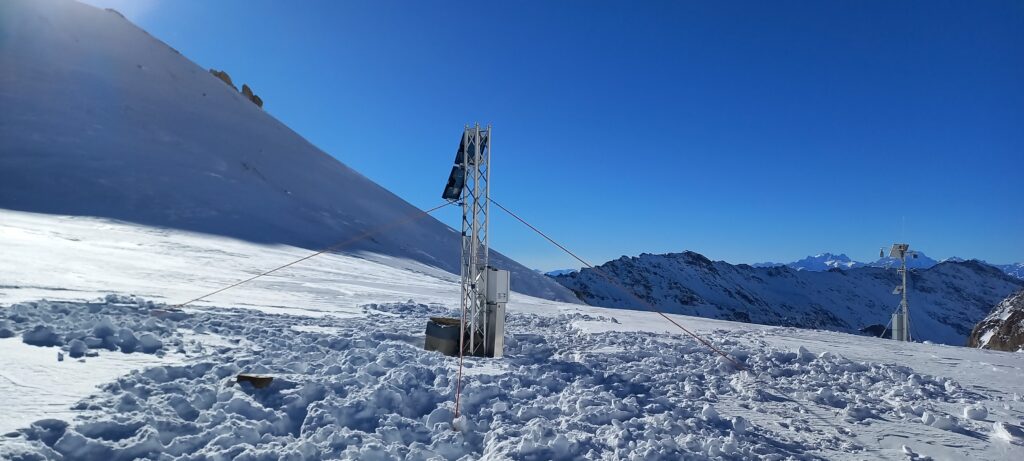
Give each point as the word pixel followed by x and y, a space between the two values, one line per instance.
pixel 901 318
pixel 484 290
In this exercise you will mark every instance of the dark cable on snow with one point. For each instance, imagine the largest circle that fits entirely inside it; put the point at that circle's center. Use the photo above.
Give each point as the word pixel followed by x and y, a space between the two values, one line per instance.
pixel 418 214
pixel 648 306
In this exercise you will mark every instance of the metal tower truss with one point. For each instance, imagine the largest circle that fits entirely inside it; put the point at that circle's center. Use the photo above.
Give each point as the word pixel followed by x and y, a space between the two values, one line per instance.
pixel 469 185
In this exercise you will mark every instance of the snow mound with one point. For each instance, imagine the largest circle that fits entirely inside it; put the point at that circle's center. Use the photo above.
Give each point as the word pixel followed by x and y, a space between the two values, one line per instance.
pixel 41 335
pixel 976 412
pixel 109 324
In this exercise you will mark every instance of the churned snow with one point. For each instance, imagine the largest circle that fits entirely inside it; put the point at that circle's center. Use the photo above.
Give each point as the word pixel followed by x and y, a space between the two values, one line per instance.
pixel 343 338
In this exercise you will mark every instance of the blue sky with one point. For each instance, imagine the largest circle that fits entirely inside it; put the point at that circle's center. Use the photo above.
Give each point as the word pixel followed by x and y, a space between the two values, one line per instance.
pixel 746 131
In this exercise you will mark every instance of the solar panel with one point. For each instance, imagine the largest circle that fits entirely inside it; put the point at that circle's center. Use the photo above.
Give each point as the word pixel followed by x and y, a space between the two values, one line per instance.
pixel 456 181
pixel 457 178
pixel 467 153
pixel 898 250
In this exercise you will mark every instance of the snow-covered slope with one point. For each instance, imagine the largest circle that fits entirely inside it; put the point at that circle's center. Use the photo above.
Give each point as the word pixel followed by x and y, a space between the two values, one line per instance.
pixel 1003 328
pixel 97 118
pixel 343 336
pixel 947 300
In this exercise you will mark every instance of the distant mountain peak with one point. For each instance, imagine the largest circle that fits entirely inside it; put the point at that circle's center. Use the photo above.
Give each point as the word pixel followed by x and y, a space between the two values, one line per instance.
pixel 824 261
pixel 917 261
pixel 827 261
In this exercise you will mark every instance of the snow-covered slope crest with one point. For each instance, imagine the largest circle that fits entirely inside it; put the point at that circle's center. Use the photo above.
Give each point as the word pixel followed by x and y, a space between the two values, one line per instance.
pixel 947 300
pixel 1003 328
pixel 98 118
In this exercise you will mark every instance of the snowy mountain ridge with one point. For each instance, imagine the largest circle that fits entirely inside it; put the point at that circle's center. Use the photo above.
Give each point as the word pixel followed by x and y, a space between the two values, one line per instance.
pixel 826 261
pixel 947 300
pixel 557 272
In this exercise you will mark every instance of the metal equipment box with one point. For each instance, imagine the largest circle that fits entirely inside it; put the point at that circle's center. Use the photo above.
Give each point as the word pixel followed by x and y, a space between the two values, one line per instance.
pixel 443 335
pixel 497 285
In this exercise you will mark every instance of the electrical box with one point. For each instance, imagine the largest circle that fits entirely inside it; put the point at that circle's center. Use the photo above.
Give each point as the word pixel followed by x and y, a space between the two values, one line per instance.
pixel 494 342
pixel 899 327
pixel 497 286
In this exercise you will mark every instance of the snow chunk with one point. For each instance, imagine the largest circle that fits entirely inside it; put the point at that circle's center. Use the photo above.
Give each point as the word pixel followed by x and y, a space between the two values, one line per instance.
pixel 975 412
pixel 150 343
pixel 858 413
pixel 709 413
pixel 739 425
pixel 77 348
pixel 804 355
pixel 41 335
pixel 1008 432
pixel 945 423
pixel 127 341
pixel 5 329
pixel 103 329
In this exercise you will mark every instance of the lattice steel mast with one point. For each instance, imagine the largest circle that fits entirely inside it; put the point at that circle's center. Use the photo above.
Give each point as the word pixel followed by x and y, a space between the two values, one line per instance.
pixel 484 289
pixel 476 158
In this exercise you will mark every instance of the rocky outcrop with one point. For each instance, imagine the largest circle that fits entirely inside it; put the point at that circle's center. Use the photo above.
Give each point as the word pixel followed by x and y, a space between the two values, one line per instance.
pixel 1003 329
pixel 224 77
pixel 247 92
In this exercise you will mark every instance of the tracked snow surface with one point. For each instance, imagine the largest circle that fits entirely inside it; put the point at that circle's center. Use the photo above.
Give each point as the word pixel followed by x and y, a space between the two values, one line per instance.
pixel 343 338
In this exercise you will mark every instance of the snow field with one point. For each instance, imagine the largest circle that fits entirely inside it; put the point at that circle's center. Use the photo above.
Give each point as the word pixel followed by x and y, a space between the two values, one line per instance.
pixel 362 388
